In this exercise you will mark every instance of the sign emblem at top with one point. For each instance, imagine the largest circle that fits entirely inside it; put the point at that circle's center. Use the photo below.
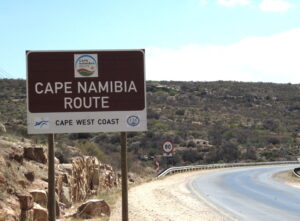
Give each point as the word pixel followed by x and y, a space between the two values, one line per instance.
pixel 85 65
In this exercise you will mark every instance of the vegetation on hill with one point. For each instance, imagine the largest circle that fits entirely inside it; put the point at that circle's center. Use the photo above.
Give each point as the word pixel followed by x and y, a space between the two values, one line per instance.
pixel 208 122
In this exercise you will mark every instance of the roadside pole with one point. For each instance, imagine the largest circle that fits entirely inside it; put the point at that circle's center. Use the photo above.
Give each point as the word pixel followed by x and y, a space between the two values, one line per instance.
pixel 51 179
pixel 124 169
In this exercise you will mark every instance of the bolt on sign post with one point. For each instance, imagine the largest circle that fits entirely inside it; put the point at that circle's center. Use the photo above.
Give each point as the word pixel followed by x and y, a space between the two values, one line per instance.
pixel 86 91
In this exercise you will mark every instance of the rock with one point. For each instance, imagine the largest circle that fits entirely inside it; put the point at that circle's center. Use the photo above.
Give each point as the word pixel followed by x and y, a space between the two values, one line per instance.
pixel 16 156
pixel 56 160
pixel 26 215
pixel 8 214
pixel 26 201
pixel 10 190
pixel 2 128
pixel 35 153
pixel 40 213
pixel 93 208
pixel 66 197
pixel 40 197
pixel 29 176
pixel 66 178
pixel 23 183
pixel 67 167
pixel 89 177
pixel 57 210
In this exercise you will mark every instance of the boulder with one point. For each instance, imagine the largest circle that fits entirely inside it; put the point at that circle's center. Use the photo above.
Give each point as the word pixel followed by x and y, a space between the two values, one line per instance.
pixel 16 156
pixel 56 160
pixel 40 197
pixel 66 179
pixel 39 213
pixel 29 176
pixel 8 214
pixel 26 201
pixel 36 154
pixel 26 215
pixel 89 177
pixel 66 197
pixel 93 208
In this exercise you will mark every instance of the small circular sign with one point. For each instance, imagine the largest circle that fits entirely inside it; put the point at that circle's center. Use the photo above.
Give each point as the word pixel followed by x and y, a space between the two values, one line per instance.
pixel 168 147
pixel 133 120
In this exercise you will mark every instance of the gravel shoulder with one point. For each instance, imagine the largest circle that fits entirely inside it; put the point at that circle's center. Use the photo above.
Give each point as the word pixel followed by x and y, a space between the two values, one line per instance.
pixel 168 199
pixel 287 178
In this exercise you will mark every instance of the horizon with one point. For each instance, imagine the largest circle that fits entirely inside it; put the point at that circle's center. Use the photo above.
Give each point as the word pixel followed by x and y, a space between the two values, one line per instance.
pixel 203 81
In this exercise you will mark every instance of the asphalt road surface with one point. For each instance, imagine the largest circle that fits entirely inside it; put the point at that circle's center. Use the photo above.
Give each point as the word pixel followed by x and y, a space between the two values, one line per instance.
pixel 250 194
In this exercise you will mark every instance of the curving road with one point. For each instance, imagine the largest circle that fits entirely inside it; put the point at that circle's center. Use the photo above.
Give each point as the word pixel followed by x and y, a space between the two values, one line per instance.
pixel 250 194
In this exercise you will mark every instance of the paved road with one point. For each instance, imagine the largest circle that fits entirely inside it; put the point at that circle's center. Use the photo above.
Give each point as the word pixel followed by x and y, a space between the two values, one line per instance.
pixel 250 194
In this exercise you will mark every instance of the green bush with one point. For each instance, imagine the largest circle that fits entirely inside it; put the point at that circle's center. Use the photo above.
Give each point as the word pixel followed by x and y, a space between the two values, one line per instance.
pixel 92 149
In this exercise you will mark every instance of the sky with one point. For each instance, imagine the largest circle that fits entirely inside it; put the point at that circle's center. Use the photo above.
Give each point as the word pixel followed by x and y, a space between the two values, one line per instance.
pixel 185 40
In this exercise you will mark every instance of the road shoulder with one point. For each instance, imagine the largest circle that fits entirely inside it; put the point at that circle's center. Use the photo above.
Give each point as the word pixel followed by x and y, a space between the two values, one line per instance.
pixel 168 199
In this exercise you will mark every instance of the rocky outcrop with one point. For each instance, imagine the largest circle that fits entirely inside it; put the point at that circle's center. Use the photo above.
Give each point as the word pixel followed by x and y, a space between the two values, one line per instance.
pixel 66 197
pixel 16 156
pixel 26 201
pixel 93 208
pixel 75 182
pixel 40 197
pixel 35 153
pixel 89 177
pixel 26 205
pixel 7 214
pixel 39 213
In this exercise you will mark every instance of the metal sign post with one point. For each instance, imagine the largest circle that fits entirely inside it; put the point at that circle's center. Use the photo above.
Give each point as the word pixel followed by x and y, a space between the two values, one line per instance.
pixel 124 168
pixel 167 148
pixel 51 179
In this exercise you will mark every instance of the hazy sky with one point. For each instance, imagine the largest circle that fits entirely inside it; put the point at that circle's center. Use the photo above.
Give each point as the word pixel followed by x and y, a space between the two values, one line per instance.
pixel 199 40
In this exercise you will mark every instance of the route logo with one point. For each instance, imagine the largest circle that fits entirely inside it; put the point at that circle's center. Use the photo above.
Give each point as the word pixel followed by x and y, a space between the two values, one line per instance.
pixel 41 123
pixel 85 65
pixel 133 120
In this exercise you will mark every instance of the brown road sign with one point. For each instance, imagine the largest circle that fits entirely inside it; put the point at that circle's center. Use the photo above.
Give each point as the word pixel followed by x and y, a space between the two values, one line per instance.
pixel 86 91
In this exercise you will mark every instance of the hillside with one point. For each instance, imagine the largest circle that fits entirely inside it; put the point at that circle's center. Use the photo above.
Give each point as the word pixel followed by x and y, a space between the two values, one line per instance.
pixel 208 122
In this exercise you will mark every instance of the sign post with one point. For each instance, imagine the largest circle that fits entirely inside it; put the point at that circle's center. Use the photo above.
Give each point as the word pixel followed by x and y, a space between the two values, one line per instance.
pixel 124 168
pixel 82 92
pixel 51 179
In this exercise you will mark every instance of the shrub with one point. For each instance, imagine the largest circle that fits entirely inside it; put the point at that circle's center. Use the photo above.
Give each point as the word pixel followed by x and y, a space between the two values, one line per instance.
pixel 91 149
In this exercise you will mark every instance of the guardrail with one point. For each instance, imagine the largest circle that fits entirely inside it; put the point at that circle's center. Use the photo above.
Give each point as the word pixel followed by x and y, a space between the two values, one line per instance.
pixel 182 169
pixel 296 172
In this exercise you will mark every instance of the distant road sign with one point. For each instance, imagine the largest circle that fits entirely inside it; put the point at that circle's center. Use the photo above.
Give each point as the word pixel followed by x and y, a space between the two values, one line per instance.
pixel 167 147
pixel 86 91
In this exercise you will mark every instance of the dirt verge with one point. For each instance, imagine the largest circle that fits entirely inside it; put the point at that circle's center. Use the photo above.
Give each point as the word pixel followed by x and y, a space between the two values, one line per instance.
pixel 167 199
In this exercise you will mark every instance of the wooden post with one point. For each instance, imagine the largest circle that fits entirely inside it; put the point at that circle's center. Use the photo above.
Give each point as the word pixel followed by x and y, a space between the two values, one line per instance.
pixel 124 169
pixel 51 179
